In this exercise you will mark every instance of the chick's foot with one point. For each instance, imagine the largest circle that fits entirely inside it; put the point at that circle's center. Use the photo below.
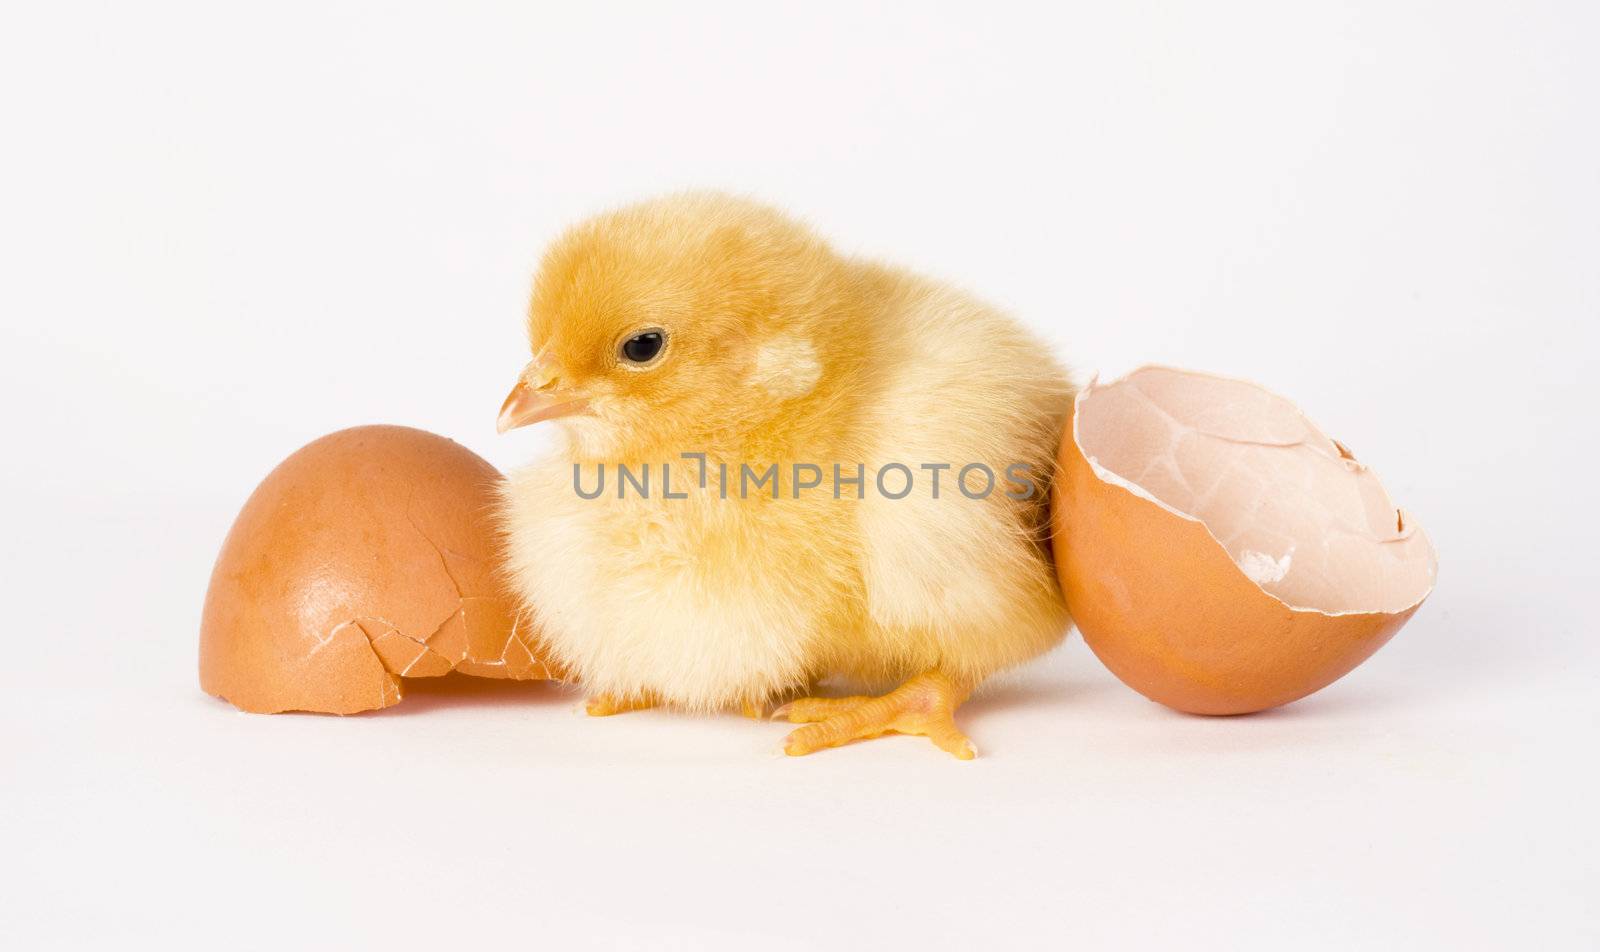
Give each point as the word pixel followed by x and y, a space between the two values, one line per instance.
pixel 605 705
pixel 924 705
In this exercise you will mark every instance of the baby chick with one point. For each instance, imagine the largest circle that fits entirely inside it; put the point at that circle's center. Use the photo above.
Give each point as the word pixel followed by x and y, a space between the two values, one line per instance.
pixel 700 339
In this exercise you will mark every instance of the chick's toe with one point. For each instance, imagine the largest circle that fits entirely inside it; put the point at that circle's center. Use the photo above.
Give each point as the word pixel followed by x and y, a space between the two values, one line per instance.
pixel 924 705
pixel 605 705
pixel 812 710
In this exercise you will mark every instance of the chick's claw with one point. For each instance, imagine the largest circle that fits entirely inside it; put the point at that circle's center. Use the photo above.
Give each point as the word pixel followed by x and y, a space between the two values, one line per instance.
pixel 923 705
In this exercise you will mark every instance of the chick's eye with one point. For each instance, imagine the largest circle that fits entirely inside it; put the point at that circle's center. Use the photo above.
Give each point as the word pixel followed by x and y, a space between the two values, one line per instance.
pixel 642 348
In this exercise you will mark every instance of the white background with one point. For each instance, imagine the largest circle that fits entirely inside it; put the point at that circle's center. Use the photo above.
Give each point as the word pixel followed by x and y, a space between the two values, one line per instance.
pixel 228 231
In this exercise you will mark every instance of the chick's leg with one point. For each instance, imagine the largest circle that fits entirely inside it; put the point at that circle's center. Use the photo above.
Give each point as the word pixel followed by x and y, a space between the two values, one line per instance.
pixel 756 710
pixel 924 705
pixel 605 705
pixel 763 706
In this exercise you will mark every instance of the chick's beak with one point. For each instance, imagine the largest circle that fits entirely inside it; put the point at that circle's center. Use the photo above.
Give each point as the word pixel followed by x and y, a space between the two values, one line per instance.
pixel 537 396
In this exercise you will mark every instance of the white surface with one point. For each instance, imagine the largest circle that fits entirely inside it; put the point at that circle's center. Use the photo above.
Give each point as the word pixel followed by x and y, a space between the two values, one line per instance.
pixel 226 233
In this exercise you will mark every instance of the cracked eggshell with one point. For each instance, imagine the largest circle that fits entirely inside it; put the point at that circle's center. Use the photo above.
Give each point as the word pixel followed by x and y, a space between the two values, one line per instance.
pixel 367 556
pixel 1220 554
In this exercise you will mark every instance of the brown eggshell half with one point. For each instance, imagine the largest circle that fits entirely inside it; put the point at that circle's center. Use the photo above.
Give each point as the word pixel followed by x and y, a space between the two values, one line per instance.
pixel 367 556
pixel 1220 554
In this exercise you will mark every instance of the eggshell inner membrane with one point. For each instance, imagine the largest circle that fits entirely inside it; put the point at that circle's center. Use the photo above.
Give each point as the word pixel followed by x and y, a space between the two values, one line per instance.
pixel 1297 513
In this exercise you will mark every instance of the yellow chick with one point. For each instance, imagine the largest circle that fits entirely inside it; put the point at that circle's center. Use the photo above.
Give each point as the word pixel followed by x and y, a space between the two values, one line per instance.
pixel 772 472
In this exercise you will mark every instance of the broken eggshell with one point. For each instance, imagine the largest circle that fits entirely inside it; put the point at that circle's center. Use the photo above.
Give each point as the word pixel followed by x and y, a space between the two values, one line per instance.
pixel 1220 554
pixel 365 557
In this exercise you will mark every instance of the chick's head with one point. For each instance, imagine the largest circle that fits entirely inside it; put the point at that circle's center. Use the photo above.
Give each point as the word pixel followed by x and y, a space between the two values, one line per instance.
pixel 656 324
